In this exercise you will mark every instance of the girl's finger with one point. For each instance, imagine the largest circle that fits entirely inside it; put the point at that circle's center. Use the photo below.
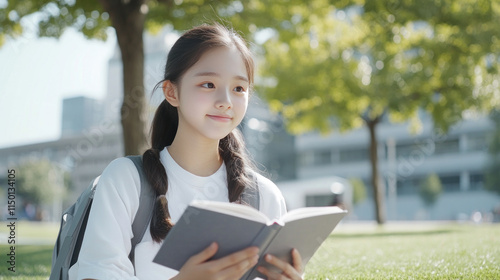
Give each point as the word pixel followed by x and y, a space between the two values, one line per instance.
pixel 287 269
pixel 244 255
pixel 204 255
pixel 271 275
pixel 297 260
pixel 237 270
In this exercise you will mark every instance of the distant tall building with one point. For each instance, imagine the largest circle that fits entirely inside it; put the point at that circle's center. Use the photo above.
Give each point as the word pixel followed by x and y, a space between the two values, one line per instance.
pixel 156 48
pixel 79 114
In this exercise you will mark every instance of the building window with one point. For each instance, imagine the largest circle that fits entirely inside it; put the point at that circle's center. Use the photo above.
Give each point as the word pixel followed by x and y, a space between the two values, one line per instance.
pixel 407 150
pixel 428 147
pixel 404 150
pixel 319 200
pixel 306 159
pixel 411 186
pixel 477 142
pixel 316 158
pixel 450 183
pixel 353 155
pixel 476 182
pixel 408 186
pixel 322 157
pixel 447 147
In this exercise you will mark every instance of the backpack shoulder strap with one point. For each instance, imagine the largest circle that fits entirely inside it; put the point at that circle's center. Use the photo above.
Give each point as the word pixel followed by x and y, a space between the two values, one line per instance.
pixel 251 195
pixel 145 210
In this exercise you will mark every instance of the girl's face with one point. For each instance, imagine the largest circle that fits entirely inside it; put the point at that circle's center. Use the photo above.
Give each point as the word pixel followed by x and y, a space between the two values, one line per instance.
pixel 212 96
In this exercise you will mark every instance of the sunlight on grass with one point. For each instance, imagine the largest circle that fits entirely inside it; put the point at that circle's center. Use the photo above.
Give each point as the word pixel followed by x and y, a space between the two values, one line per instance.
pixel 39 230
pixel 445 252
pixel 32 262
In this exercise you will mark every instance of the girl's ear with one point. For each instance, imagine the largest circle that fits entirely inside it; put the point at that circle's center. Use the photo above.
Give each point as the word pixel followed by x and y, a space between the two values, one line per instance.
pixel 171 93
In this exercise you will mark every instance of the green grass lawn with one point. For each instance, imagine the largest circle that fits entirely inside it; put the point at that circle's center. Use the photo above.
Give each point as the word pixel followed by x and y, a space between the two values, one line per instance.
pixel 408 251
pixel 425 251
pixel 32 262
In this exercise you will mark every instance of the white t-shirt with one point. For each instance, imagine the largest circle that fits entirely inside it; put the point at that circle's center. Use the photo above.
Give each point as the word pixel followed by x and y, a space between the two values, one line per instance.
pixel 106 245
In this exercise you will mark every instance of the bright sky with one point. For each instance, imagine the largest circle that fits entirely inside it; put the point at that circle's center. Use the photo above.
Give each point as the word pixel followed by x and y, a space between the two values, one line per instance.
pixel 37 73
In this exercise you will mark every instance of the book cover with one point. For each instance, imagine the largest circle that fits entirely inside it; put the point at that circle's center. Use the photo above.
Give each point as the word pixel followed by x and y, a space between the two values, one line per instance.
pixel 235 227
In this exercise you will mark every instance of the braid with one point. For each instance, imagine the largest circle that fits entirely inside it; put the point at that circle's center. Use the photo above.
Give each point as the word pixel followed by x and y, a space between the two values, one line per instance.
pixel 233 153
pixel 163 132
pixel 157 177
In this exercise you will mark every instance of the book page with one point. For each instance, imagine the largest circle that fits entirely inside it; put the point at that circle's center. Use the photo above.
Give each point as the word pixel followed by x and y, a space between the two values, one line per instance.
pixel 306 212
pixel 233 209
pixel 305 230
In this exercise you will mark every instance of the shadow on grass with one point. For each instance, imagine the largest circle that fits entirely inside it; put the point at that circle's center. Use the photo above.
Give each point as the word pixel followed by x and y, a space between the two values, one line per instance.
pixel 395 233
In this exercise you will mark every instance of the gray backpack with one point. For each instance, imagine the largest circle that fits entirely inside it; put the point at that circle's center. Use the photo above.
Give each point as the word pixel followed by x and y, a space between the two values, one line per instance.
pixel 74 222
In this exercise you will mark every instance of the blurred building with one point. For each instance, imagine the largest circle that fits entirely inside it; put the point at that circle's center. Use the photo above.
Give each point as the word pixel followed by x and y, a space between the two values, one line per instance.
pixel 80 113
pixel 84 156
pixel 405 160
pixel 87 144
pixel 268 143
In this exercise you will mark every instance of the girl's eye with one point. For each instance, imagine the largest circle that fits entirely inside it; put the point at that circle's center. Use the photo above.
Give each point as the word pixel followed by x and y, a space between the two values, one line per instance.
pixel 208 85
pixel 239 89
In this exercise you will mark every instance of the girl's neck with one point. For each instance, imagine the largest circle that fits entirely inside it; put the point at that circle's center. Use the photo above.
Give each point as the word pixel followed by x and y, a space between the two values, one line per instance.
pixel 196 156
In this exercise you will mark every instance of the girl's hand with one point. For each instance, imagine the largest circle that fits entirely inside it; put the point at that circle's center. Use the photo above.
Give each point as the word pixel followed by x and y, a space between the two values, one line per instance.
pixel 289 272
pixel 228 267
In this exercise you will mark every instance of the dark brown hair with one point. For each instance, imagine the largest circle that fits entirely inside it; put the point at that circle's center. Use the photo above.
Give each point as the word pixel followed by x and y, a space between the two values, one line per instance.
pixel 186 51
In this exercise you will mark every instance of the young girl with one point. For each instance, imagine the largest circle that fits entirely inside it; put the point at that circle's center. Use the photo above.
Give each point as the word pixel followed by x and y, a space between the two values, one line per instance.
pixel 197 153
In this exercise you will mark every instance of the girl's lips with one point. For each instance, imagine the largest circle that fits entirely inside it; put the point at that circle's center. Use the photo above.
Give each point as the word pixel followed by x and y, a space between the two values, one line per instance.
pixel 220 118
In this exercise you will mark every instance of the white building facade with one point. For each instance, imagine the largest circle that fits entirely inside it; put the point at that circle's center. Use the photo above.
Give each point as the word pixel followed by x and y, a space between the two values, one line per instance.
pixel 458 157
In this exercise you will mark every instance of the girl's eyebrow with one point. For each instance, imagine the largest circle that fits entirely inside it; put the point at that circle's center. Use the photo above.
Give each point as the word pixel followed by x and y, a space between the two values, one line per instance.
pixel 213 74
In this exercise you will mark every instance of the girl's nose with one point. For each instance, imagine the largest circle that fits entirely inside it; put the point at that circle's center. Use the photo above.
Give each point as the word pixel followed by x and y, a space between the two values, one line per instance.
pixel 223 99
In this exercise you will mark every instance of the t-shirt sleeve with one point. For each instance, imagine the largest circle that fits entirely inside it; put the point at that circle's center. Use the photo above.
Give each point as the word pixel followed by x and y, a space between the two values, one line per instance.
pixel 106 245
pixel 272 202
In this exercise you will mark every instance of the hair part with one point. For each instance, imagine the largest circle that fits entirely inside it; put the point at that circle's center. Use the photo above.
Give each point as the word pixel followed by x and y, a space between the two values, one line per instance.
pixel 189 48
pixel 186 51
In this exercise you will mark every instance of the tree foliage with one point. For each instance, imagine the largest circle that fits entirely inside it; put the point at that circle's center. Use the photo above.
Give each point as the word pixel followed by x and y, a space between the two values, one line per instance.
pixel 338 67
pixel 430 189
pixel 358 190
pixel 366 58
pixel 40 181
pixel 52 18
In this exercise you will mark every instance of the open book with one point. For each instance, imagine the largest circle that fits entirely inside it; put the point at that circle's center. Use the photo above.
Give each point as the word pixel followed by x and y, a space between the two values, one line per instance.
pixel 235 227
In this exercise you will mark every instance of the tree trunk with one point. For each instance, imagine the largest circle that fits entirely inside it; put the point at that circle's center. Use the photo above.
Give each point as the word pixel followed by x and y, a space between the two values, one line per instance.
pixel 378 191
pixel 128 19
